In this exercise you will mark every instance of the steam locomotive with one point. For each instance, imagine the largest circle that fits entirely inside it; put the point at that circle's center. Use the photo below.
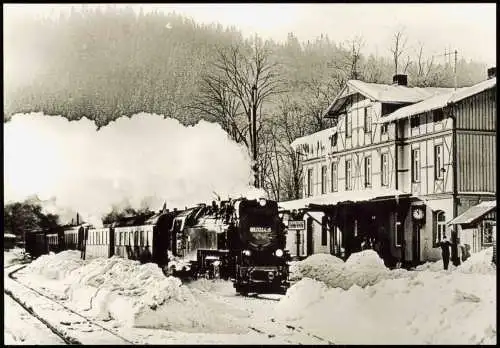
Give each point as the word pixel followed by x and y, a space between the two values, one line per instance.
pixel 243 240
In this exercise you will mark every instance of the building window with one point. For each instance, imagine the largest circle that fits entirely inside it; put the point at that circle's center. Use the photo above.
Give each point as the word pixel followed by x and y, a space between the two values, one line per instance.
pixel 439 228
pixel 383 128
pixel 415 165
pixel 415 122
pixel 398 230
pixel 367 121
pixel 438 162
pixel 309 182
pixel 323 179
pixel 368 171
pixel 438 115
pixel 384 170
pixel 324 231
pixel 333 140
pixel 487 235
pixel 348 174
pixel 334 177
pixel 348 125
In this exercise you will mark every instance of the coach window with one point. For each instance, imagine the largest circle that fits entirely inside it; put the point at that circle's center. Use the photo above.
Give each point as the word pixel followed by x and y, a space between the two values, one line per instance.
pixel 136 238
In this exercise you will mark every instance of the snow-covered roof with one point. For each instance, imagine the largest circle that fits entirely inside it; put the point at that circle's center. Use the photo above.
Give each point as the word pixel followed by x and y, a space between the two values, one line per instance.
pixel 474 213
pixel 384 93
pixel 322 136
pixel 9 235
pixel 439 101
pixel 338 197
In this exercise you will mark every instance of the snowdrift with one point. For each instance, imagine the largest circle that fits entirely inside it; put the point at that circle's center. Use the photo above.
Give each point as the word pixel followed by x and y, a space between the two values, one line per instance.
pixel 362 269
pixel 134 295
pixel 445 307
pixel 13 256
pixel 477 263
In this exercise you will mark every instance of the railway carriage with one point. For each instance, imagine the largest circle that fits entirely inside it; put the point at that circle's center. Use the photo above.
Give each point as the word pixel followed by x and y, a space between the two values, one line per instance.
pixel 98 243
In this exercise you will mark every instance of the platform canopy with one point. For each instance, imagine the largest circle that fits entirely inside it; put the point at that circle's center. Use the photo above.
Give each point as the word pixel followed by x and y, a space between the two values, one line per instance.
pixel 474 213
pixel 339 197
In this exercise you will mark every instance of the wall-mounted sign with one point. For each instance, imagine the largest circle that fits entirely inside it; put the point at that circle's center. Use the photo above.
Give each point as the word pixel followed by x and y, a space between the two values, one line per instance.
pixel 296 225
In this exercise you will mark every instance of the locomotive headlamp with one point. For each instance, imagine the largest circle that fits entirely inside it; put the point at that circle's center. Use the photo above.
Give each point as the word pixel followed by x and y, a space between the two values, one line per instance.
pixel 262 202
pixel 279 253
pixel 246 252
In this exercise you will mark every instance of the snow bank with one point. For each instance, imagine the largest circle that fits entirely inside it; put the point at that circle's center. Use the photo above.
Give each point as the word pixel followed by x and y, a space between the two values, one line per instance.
pixel 479 263
pixel 55 266
pixel 430 308
pixel 362 302
pixel 133 294
pixel 13 256
pixel 363 269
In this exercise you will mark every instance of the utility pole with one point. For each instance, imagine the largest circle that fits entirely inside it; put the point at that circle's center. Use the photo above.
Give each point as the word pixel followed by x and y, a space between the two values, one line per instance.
pixel 448 54
pixel 254 134
pixel 455 69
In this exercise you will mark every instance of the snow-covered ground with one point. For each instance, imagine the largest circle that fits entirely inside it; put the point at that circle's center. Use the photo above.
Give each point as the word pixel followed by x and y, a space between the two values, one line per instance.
pixel 362 302
pixel 354 302
pixel 22 328
pixel 13 256
pixel 141 305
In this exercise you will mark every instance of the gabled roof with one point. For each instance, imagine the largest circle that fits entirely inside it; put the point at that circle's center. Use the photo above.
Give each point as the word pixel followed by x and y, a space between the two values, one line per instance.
pixel 395 94
pixel 439 101
pixel 474 213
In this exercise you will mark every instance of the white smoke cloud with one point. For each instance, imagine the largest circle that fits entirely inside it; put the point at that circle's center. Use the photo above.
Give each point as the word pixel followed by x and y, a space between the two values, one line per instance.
pixel 142 160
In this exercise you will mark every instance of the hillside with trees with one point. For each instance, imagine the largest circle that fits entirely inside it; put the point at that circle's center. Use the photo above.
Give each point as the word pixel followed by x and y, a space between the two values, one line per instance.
pixel 108 63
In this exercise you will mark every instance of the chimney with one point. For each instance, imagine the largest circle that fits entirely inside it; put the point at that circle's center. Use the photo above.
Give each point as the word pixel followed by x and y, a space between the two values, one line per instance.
pixel 400 80
pixel 492 72
pixel 77 219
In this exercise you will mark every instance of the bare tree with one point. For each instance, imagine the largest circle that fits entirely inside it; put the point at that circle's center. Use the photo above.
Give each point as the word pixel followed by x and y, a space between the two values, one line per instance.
pixel 348 67
pixel 291 121
pixel 398 48
pixel 317 97
pixel 242 80
pixel 424 67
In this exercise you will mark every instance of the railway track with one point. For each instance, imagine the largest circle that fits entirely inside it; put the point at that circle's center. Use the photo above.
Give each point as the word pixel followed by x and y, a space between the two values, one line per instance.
pixel 92 325
pixel 273 328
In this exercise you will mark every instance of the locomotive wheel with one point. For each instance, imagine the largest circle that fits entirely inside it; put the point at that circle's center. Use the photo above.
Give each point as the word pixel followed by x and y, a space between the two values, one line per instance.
pixel 243 291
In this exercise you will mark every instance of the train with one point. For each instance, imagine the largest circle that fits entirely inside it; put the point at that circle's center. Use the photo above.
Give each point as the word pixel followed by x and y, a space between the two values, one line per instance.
pixel 242 240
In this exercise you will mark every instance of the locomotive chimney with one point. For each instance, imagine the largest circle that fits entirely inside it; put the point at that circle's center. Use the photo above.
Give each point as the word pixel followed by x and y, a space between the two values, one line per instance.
pixel 492 72
pixel 400 80
pixel 77 219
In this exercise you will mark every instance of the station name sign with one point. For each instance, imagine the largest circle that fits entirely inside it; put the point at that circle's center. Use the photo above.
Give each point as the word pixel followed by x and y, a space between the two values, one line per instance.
pixel 296 225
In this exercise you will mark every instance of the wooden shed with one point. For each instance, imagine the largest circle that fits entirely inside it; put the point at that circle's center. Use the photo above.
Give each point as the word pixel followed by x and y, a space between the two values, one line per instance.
pixel 477 227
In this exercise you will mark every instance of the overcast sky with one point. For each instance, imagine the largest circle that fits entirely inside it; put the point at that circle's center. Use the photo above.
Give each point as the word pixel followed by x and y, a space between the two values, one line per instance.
pixel 469 28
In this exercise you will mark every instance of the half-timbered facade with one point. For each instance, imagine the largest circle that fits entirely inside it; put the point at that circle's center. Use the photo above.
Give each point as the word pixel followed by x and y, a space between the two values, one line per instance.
pixel 424 148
